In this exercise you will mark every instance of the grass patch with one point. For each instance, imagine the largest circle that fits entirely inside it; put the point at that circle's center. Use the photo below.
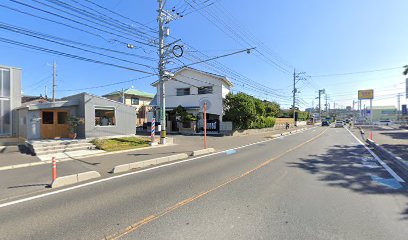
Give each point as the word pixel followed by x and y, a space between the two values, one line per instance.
pixel 117 144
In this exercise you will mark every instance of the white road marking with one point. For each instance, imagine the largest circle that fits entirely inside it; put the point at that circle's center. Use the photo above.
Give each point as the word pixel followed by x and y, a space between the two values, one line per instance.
pixel 389 170
pixel 128 174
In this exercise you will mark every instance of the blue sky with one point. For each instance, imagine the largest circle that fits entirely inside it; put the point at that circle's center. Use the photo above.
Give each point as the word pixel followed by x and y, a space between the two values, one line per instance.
pixel 317 37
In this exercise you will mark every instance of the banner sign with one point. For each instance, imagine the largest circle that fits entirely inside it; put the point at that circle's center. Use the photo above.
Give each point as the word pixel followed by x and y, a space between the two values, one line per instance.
pixel 366 94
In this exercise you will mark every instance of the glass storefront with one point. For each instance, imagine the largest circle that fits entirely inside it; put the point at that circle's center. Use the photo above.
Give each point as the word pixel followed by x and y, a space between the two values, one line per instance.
pixel 5 105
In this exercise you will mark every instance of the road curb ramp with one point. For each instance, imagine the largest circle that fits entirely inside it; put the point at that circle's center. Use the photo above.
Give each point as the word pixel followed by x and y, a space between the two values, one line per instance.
pixel 400 163
pixel 202 151
pixel 147 163
pixel 74 178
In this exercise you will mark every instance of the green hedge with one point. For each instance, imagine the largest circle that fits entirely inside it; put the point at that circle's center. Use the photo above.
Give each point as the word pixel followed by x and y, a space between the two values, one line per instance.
pixel 263 122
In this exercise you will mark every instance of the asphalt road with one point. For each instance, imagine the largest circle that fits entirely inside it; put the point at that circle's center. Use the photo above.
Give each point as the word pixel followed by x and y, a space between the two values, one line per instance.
pixel 320 184
pixel 31 180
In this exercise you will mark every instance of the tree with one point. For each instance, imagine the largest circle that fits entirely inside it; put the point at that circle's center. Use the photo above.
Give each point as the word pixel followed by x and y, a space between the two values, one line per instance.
pixel 259 107
pixel 405 72
pixel 272 109
pixel 240 109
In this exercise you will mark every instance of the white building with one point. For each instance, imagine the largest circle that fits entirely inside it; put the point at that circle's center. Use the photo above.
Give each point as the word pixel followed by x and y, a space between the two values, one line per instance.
pixel 190 88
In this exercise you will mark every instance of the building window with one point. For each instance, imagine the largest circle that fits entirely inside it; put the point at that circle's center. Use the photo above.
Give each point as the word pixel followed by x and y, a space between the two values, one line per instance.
pixel 5 83
pixel 205 90
pixel 47 117
pixel 105 116
pixel 183 91
pixel 134 101
pixel 5 103
pixel 62 117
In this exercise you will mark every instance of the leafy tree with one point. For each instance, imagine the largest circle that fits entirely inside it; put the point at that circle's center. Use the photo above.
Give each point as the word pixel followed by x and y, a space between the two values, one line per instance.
pixel 405 70
pixel 184 116
pixel 259 107
pixel 240 109
pixel 272 109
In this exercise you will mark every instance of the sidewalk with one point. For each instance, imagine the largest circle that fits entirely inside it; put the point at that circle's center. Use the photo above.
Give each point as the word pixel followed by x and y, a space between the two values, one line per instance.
pixel 13 155
pixel 395 141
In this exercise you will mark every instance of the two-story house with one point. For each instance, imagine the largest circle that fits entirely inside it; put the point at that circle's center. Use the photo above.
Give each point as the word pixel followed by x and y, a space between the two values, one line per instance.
pixel 10 99
pixel 138 99
pixel 190 88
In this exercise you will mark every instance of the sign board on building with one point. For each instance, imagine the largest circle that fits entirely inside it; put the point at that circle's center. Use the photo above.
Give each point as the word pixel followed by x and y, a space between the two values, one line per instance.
pixel 366 94
pixel 368 112
pixel 404 109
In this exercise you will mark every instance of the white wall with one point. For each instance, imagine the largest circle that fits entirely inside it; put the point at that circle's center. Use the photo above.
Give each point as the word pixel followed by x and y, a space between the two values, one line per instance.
pixel 187 78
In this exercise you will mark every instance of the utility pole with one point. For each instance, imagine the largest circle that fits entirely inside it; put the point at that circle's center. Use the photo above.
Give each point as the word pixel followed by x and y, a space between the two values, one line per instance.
pixel 399 106
pixel 294 96
pixel 296 77
pixel 123 96
pixel 321 91
pixel 326 103
pixel 54 80
pixel 160 19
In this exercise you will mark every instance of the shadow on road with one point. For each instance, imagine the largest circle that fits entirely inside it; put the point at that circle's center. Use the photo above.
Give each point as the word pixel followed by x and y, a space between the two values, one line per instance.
pixel 159 153
pixel 30 185
pixel 398 149
pixel 343 166
pixel 396 135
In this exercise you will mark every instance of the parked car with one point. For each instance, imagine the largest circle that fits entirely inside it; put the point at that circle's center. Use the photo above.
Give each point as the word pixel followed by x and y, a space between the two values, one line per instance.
pixel 325 123
pixel 339 123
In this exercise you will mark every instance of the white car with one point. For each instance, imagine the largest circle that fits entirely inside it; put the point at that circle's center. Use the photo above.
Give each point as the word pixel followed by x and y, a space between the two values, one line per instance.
pixel 339 124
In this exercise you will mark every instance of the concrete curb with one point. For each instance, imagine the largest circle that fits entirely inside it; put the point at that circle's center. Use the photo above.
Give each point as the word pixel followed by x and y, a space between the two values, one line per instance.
pixel 74 178
pixel 202 151
pixel 147 163
pixel 400 163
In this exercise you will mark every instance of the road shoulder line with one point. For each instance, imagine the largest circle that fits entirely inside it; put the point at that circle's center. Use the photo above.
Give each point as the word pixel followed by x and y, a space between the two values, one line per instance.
pixel 389 170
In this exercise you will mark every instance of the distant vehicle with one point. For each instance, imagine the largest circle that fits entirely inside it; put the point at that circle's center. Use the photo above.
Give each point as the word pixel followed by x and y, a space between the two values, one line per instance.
pixel 347 120
pixel 325 123
pixel 339 123
pixel 384 122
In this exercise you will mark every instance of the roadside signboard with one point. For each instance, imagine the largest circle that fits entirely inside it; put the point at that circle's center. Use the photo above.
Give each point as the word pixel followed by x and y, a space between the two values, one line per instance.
pixel 404 109
pixel 366 94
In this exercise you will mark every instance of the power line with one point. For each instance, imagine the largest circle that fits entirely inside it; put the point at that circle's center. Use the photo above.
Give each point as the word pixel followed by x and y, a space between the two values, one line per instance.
pixel 71 46
pixel 238 34
pixel 60 23
pixel 9 41
pixel 124 30
pixel 81 23
pixel 104 16
pixel 217 57
pixel 122 16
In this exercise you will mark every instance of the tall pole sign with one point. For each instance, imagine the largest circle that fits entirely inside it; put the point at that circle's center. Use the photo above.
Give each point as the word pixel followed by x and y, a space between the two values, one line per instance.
pixel 366 95
pixel 406 88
